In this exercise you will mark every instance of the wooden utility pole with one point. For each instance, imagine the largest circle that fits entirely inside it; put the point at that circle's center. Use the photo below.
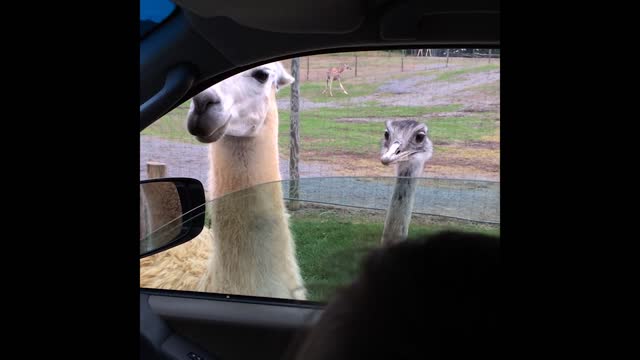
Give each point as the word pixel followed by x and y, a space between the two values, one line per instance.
pixel 447 65
pixel 356 67
pixel 294 144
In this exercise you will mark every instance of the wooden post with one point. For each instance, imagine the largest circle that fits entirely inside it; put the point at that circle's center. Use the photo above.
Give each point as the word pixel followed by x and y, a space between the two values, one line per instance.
pixel 307 68
pixel 402 62
pixel 490 56
pixel 294 144
pixel 156 170
pixel 446 66
pixel 144 226
pixel 356 66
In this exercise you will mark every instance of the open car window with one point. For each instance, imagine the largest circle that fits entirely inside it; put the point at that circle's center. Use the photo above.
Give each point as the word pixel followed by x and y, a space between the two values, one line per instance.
pixel 366 143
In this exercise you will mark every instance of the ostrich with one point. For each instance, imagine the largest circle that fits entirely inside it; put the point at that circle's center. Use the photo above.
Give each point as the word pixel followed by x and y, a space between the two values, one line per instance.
pixel 249 249
pixel 406 145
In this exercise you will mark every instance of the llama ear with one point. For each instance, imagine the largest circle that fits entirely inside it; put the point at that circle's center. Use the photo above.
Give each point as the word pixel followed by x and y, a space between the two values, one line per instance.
pixel 284 79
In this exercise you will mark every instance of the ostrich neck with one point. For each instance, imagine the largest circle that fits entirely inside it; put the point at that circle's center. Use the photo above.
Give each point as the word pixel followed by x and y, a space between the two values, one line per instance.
pixel 396 225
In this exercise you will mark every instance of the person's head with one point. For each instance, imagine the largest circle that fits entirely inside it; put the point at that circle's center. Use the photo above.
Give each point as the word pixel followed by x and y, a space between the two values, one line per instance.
pixel 435 296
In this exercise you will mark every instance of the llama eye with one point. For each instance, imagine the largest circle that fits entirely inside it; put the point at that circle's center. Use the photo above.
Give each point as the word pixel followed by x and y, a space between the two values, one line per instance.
pixel 386 135
pixel 261 76
pixel 420 137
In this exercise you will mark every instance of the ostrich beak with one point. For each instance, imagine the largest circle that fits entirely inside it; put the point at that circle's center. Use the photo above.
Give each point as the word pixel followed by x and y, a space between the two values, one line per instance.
pixel 391 155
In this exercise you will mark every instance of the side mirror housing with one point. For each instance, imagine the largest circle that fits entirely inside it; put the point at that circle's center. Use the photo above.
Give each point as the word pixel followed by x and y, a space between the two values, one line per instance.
pixel 172 212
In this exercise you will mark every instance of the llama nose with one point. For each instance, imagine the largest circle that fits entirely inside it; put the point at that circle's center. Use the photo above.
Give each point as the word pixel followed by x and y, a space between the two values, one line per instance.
pixel 199 127
pixel 203 101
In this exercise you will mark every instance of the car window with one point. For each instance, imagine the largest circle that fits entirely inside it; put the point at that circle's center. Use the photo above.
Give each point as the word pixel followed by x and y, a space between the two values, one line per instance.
pixel 152 13
pixel 377 145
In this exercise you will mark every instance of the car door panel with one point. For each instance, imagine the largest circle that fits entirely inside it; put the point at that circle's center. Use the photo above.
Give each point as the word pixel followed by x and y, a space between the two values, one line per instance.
pixel 224 327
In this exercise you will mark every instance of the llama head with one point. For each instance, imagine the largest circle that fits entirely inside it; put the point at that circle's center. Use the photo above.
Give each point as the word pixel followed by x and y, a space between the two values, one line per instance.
pixel 238 105
pixel 406 142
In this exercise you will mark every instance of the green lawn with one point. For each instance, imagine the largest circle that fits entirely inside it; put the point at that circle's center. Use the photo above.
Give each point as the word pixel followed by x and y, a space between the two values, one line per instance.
pixel 330 249
pixel 172 126
pixel 451 129
pixel 452 75
pixel 330 244
pixel 488 89
pixel 322 130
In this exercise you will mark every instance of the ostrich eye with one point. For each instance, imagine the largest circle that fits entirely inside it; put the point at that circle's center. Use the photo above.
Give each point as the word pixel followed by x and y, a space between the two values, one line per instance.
pixel 386 134
pixel 419 137
pixel 261 76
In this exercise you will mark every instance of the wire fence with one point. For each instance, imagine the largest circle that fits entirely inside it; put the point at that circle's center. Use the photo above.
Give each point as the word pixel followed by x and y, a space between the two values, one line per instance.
pixel 369 66
pixel 458 97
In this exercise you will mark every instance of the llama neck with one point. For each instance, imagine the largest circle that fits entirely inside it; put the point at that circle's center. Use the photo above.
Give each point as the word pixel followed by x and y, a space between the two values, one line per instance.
pixel 254 253
pixel 240 163
pixel 396 225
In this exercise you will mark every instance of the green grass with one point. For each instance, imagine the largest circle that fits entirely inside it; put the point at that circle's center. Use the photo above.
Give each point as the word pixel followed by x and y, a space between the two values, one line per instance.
pixel 488 89
pixel 411 74
pixel 331 243
pixel 330 250
pixel 461 128
pixel 319 130
pixel 172 126
pixel 452 75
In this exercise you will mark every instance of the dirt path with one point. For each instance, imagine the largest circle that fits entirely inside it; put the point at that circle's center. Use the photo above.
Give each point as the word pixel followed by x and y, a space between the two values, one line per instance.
pixel 423 91
pixel 416 91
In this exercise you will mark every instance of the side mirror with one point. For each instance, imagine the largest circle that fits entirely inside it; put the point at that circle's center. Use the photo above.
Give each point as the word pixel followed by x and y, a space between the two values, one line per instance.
pixel 172 212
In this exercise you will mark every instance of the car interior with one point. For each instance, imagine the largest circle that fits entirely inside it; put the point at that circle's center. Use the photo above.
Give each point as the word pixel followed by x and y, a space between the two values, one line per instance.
pixel 199 44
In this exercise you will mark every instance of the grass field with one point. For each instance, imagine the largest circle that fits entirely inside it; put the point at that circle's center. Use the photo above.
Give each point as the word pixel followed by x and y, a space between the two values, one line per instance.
pixel 326 131
pixel 455 74
pixel 330 243
pixel 323 131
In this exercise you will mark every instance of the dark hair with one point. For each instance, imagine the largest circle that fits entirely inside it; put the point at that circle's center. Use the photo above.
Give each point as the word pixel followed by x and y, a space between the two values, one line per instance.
pixel 435 296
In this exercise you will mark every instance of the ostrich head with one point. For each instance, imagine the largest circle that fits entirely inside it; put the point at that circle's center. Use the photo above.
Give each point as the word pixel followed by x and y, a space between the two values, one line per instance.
pixel 406 144
pixel 346 66
pixel 238 105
